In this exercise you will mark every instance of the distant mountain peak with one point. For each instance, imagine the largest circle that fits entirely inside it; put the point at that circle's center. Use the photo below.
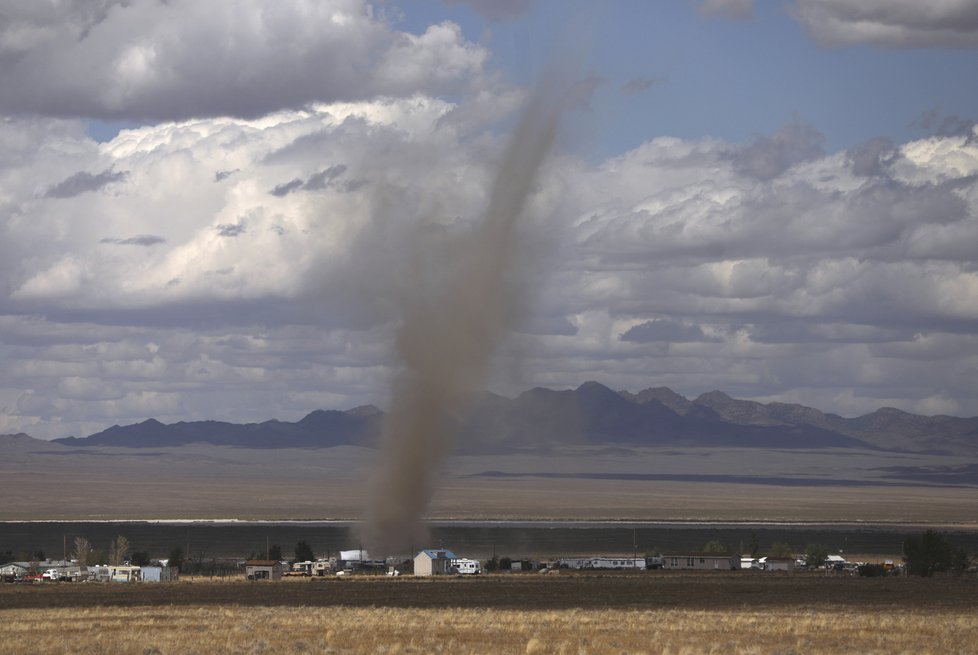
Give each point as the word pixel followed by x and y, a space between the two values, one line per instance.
pixel 594 387
pixel 19 438
pixel 714 396
pixel 590 414
pixel 364 411
pixel 890 411
pixel 674 401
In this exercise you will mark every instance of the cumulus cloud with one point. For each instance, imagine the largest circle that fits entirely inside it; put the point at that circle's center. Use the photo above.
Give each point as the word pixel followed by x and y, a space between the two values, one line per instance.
pixel 664 330
pixel 146 60
pixel 871 157
pixel 324 178
pixel 83 181
pixel 138 240
pixel 729 9
pixel 317 182
pixel 378 142
pixel 934 121
pixel 770 155
pixel 284 189
pixel 813 331
pixel 230 230
pixel 890 23
pixel 770 270
pixel 838 265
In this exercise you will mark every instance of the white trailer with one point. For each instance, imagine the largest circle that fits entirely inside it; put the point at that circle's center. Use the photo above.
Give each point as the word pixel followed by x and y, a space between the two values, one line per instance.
pixel 466 566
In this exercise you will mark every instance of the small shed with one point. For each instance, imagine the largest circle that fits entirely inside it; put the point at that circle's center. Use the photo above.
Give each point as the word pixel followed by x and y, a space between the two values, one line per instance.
pixel 779 564
pixel 263 569
pixel 524 565
pixel 433 562
pixel 160 574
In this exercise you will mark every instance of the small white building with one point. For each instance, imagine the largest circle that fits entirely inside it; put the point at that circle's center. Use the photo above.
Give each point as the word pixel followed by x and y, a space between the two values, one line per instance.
pixel 837 562
pixel 433 562
pixel 779 564
pixel 263 569
pixel 14 569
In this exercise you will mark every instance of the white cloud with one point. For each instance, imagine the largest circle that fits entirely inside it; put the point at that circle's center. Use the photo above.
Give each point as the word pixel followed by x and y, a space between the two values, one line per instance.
pixel 798 275
pixel 770 155
pixel 156 61
pixel 890 23
pixel 937 404
pixel 815 282
pixel 278 244
pixel 151 307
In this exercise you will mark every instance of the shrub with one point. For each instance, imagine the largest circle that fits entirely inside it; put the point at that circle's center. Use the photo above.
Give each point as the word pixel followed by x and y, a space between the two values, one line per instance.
pixel 932 553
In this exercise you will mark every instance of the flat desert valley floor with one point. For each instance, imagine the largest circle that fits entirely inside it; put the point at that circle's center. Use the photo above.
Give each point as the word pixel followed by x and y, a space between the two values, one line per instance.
pixel 742 613
pixel 43 481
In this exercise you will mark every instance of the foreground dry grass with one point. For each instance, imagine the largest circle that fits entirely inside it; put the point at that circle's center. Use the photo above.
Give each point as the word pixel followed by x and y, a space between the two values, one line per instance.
pixel 165 630
pixel 734 613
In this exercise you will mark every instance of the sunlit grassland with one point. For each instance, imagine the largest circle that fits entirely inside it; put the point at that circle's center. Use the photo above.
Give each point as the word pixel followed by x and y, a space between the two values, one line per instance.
pixel 232 629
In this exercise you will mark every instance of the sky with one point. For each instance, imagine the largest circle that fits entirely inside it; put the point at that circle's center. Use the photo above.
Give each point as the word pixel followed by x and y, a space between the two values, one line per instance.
pixel 212 210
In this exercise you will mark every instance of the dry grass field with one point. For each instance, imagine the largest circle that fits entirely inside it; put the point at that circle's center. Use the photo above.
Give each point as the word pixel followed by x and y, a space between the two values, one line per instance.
pixel 628 613
pixel 204 629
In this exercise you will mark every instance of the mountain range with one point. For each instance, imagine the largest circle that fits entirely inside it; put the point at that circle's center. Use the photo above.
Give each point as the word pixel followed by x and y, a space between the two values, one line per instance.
pixel 592 414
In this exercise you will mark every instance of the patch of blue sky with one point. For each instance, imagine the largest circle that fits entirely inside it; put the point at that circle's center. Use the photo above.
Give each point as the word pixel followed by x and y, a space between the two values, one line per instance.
pixel 103 131
pixel 719 78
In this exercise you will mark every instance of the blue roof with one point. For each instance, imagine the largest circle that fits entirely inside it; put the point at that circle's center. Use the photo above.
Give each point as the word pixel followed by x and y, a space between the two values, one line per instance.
pixel 436 553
